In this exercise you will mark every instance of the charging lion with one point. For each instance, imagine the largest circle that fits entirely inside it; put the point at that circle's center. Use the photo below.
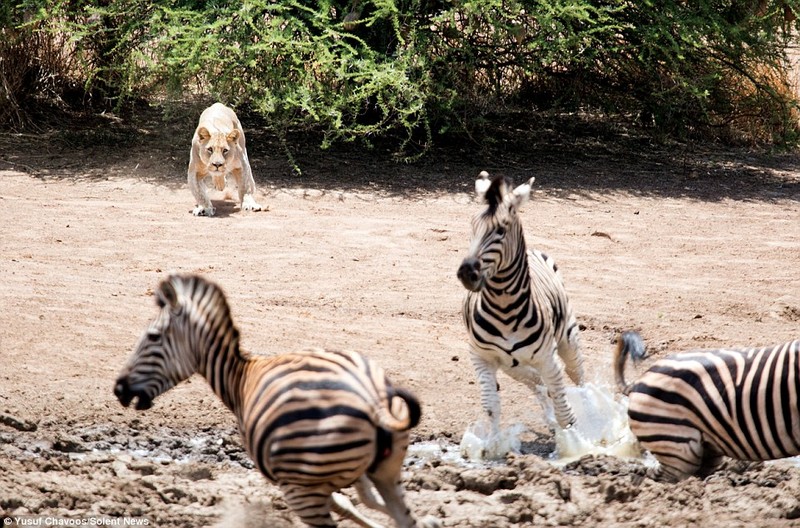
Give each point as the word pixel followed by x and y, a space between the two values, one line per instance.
pixel 218 150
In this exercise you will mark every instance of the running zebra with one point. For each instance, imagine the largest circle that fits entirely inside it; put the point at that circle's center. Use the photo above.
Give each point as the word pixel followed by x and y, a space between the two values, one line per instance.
pixel 516 311
pixel 314 421
pixel 691 409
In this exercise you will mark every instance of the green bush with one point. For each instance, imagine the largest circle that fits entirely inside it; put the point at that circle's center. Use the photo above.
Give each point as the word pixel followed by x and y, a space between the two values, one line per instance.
pixel 293 61
pixel 412 70
pixel 708 69
pixel 35 65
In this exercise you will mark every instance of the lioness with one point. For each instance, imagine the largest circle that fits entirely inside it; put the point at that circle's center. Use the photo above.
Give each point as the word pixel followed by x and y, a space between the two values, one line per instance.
pixel 218 149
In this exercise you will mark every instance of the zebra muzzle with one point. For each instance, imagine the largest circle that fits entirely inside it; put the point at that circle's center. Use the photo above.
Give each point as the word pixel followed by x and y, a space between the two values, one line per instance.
pixel 125 394
pixel 469 273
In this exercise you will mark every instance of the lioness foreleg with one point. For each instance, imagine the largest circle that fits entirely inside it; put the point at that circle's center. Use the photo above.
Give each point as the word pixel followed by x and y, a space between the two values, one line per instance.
pixel 197 185
pixel 247 186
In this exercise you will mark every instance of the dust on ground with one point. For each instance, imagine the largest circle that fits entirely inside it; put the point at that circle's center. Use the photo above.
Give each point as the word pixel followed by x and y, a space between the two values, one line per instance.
pixel 696 248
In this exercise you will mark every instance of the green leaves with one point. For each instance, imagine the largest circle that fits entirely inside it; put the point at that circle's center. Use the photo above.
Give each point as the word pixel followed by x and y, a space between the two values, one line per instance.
pixel 359 69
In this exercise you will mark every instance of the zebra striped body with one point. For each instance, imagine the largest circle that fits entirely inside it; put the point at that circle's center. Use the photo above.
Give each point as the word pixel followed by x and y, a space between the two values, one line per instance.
pixel 691 409
pixel 517 313
pixel 314 421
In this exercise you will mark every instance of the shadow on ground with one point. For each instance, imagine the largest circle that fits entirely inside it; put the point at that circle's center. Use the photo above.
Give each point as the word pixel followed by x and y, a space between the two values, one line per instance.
pixel 568 155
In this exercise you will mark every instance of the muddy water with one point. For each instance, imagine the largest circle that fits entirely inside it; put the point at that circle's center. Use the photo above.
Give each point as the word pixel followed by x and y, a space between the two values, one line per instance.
pixel 202 477
pixel 159 445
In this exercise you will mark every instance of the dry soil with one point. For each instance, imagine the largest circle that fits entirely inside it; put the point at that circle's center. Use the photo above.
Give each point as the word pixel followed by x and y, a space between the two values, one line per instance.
pixel 696 249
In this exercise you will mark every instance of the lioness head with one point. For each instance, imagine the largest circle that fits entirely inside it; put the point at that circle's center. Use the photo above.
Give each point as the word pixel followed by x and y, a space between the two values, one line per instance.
pixel 216 153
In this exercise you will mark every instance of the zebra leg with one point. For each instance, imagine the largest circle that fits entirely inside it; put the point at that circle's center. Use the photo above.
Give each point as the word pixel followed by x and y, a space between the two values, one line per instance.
pixel 552 373
pixel 490 399
pixel 365 491
pixel 387 481
pixel 344 507
pixel 529 377
pixel 365 488
pixel 712 461
pixel 677 459
pixel 392 492
pixel 396 508
pixel 311 504
pixel 569 349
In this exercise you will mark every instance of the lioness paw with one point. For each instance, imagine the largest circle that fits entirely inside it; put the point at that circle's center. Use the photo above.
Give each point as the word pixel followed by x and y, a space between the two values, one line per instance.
pixel 203 211
pixel 249 204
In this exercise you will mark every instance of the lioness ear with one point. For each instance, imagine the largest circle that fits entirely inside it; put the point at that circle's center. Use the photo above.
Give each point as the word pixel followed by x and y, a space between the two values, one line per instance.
pixel 522 193
pixel 482 185
pixel 166 294
pixel 203 133
pixel 233 135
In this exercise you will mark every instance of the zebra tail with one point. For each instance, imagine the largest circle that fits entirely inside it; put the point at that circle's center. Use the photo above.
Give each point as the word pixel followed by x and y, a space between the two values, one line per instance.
pixel 414 410
pixel 629 344
pixel 388 424
pixel 389 421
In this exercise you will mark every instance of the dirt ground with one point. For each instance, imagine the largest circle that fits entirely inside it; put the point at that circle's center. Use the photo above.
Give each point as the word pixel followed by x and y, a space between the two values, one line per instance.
pixel 696 248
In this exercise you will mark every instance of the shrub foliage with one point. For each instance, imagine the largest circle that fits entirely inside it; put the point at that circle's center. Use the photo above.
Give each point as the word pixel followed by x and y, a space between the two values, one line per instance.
pixel 415 69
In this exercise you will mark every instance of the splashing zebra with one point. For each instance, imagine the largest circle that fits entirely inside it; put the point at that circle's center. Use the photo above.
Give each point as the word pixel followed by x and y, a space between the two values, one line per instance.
pixel 313 421
pixel 516 311
pixel 693 409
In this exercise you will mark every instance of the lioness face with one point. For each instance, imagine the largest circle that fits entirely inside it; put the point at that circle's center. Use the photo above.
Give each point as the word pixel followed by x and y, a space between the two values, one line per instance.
pixel 215 151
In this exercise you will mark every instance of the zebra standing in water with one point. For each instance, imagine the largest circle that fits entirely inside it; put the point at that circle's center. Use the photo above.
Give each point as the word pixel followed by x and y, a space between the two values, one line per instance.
pixel 314 421
pixel 517 313
pixel 691 409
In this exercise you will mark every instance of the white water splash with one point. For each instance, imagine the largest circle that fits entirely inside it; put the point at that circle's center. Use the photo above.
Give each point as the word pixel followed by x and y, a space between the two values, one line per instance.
pixel 601 427
pixel 478 442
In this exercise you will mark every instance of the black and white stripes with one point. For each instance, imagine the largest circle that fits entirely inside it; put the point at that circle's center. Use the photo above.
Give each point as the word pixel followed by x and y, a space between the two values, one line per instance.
pixel 691 409
pixel 314 421
pixel 516 311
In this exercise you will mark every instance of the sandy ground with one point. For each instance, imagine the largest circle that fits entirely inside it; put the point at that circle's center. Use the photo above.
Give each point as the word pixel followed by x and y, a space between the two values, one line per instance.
pixel 693 258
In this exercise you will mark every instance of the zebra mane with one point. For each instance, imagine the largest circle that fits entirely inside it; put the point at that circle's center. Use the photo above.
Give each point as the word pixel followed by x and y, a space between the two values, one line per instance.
pixel 497 190
pixel 194 289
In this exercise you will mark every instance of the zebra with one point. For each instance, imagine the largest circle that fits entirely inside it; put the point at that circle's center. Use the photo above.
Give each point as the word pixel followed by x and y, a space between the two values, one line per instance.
pixel 516 310
pixel 692 409
pixel 313 421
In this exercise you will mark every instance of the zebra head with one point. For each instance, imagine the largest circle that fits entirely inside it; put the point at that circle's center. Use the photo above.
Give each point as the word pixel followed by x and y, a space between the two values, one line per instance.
pixel 163 356
pixel 496 232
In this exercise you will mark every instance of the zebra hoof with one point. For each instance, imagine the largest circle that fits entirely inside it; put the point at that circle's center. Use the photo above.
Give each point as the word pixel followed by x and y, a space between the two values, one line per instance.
pixel 429 521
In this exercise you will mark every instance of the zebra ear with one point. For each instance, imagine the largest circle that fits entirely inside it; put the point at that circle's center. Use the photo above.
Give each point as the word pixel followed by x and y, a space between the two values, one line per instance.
pixel 166 294
pixel 522 193
pixel 482 185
